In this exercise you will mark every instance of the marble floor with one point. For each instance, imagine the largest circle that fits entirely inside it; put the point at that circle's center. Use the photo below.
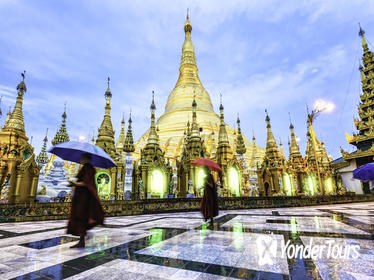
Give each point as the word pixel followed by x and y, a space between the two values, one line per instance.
pixel 319 242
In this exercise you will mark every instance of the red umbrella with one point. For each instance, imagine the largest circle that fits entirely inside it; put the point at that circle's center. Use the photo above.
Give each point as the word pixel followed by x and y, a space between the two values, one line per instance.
pixel 207 162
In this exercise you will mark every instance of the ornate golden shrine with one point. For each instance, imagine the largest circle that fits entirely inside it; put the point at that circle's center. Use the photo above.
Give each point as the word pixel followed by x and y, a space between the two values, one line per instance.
pixel 18 170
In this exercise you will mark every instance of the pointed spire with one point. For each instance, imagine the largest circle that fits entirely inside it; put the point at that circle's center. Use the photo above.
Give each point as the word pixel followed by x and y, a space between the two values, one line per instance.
pixel 129 141
pixel 240 146
pixel 223 148
pixel 271 145
pixel 93 140
pixel 222 136
pixel 15 121
pixel 108 93
pixel 121 138
pixel 188 73
pixel 254 152
pixel 105 137
pixel 364 43
pixel 294 147
pixel 153 137
pixel 43 157
pixel 61 135
pixel 194 127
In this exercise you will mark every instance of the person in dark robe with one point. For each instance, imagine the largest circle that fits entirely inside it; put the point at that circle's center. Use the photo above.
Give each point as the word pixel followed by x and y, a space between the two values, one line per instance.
pixel 209 202
pixel 86 210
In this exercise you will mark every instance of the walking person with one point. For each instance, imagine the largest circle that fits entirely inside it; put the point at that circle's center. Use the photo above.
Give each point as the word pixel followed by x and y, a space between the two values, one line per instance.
pixel 209 202
pixel 86 210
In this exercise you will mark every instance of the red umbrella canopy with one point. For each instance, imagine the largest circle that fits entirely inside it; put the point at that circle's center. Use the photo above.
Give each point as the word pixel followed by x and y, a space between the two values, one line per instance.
pixel 207 162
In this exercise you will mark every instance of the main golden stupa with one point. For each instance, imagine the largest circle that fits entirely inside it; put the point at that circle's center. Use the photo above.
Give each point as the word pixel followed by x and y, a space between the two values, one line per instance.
pixel 173 123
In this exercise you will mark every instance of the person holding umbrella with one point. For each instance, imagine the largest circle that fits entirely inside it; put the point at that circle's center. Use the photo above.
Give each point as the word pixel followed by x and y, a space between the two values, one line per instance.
pixel 209 202
pixel 86 210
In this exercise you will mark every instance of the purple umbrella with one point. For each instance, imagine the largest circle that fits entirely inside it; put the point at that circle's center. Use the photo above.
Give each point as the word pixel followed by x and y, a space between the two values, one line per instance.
pixel 365 172
pixel 73 150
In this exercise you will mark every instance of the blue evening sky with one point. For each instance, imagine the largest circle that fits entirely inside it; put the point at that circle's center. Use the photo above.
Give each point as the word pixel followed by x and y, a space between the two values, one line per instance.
pixel 279 55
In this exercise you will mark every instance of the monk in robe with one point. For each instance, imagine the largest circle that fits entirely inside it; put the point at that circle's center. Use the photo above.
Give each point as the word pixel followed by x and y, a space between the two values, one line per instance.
pixel 209 202
pixel 86 210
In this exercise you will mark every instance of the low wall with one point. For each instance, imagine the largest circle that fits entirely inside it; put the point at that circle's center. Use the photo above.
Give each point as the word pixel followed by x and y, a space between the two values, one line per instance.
pixel 54 211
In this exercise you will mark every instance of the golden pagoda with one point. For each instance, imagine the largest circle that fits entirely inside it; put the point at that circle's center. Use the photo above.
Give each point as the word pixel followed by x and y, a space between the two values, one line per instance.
pixel 172 124
pixel 364 139
pixel 109 181
pixel 270 172
pixel 43 157
pixel 18 168
pixel 153 173
pixel 296 163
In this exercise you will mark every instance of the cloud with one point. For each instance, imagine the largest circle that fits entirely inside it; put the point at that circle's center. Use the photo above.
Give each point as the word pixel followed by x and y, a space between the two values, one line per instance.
pixel 274 54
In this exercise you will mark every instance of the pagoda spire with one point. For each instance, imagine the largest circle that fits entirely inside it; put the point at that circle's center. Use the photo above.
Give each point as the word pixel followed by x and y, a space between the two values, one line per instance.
pixel 61 135
pixel 15 120
pixel 43 157
pixel 364 43
pixel 194 127
pixel 271 145
pixel 294 147
pixel 121 138
pixel 194 144
pixel 240 146
pixel 105 137
pixel 152 151
pixel 153 138
pixel 254 157
pixel 223 148
pixel 368 56
pixel 188 72
pixel 129 141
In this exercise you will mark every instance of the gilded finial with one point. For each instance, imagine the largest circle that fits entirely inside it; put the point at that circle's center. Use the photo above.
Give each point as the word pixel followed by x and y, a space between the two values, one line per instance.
pixel 187 25
pixel 22 86
pixel 153 106
pixel 46 134
pixel 220 106
pixel 267 115
pixel 361 32
pixel 289 116
pixel 64 113
pixel 108 93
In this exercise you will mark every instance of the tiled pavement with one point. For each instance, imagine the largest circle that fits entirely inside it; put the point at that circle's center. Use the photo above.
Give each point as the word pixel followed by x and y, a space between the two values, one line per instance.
pixel 245 244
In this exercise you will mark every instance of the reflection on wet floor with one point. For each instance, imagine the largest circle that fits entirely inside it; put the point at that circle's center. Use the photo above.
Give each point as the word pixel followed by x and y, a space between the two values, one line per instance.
pixel 245 244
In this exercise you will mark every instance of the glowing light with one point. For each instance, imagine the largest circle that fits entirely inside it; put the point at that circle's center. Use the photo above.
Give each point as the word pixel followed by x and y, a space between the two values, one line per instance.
pixel 103 182
pixel 234 181
pixel 81 138
pixel 157 182
pixel 329 185
pixel 323 105
pixel 311 187
pixel 297 139
pixel 287 183
pixel 201 179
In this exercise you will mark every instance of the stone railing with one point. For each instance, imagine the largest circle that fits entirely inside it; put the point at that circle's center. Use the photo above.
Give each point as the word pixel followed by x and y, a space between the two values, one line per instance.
pixel 54 211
